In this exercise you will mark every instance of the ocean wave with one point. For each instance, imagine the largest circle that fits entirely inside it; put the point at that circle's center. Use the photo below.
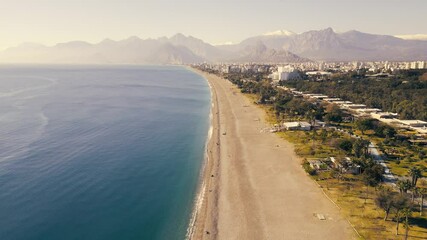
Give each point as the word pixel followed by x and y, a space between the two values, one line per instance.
pixel 51 82
pixel 202 189
pixel 21 146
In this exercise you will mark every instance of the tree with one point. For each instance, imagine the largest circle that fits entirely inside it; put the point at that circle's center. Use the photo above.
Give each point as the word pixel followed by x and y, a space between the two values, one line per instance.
pixel 414 191
pixel 372 176
pixel 400 202
pixel 415 173
pixel 408 100
pixel 403 185
pixel 422 192
pixel 346 145
pixel 364 124
pixel 334 113
pixel 385 200
pixel 311 116
pixel 266 92
pixel 282 99
pixel 406 212
pixel 323 135
pixel 389 132
pixel 361 147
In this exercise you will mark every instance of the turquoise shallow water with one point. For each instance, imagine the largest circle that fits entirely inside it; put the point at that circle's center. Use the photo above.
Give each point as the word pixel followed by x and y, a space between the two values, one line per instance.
pixel 100 152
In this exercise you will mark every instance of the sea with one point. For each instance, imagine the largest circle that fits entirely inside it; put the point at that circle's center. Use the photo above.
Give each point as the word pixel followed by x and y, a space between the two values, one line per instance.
pixel 100 152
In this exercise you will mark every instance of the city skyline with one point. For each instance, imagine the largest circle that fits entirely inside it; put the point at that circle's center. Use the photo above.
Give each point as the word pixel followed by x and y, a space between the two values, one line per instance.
pixel 49 22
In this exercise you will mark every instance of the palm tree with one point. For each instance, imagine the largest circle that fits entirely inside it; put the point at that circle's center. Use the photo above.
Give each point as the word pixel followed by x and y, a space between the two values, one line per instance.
pixel 400 203
pixel 415 173
pixel 406 212
pixel 311 116
pixel 366 144
pixel 403 185
pixel 414 192
pixel 422 192
pixel 361 147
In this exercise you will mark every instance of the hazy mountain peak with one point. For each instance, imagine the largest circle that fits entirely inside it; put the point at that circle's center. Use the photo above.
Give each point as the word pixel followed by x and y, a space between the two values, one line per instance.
pixel 352 31
pixel 278 46
pixel 168 53
pixel 30 45
pixel 258 52
pixel 178 36
pixel 74 44
pixel 182 37
pixel 132 39
pixel 328 30
pixel 280 33
pixel 107 40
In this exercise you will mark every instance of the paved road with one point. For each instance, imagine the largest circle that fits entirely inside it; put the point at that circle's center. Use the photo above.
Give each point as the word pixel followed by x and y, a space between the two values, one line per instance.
pixel 388 176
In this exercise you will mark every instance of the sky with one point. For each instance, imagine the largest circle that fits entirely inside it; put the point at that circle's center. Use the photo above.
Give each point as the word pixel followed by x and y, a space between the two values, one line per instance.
pixel 215 21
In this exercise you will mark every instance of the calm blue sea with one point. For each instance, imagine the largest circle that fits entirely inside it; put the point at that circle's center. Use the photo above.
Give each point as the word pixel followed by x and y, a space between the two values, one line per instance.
pixel 100 152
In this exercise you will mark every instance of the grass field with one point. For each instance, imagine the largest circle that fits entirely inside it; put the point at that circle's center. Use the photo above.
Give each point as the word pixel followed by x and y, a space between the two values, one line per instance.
pixel 367 218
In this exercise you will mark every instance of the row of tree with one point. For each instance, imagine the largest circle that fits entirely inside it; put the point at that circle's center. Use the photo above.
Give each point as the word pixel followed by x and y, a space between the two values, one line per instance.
pixel 405 93
pixel 402 203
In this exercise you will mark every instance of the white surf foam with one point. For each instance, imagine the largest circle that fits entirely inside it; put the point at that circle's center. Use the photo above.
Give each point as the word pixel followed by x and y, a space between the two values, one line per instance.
pixel 13 93
pixel 202 189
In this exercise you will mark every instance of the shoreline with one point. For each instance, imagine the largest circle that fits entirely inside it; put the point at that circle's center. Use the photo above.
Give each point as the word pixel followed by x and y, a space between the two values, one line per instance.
pixel 202 205
pixel 252 184
pixel 200 200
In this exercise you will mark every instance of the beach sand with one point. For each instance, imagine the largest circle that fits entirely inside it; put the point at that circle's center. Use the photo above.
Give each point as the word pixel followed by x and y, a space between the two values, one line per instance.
pixel 253 184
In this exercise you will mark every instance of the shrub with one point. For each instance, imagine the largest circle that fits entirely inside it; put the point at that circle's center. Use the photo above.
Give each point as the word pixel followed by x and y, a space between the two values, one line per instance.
pixel 307 168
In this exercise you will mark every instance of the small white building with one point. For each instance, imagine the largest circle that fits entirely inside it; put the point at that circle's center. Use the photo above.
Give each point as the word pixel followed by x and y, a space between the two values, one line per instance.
pixel 354 106
pixel 368 110
pixel 384 115
pixel 317 165
pixel 342 102
pixel 319 124
pixel 332 100
pixel 413 123
pixel 291 125
pixel 305 126
pixel 320 97
pixel 346 165
pixel 318 73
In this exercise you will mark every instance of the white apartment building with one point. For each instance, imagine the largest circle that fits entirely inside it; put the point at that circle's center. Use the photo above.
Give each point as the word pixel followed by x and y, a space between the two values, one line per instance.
pixel 287 73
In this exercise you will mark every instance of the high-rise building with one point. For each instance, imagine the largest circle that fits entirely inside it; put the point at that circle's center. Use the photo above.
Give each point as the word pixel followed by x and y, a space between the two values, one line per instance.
pixel 321 66
pixel 285 73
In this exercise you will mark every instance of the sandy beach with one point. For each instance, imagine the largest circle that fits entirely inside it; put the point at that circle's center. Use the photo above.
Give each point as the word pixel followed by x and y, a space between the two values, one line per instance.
pixel 253 184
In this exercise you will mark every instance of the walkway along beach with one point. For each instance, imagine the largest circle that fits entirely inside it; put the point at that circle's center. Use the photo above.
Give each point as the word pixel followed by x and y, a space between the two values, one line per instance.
pixel 253 184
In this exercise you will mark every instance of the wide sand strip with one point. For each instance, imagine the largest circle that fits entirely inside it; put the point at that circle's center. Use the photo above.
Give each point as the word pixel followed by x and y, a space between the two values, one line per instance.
pixel 254 186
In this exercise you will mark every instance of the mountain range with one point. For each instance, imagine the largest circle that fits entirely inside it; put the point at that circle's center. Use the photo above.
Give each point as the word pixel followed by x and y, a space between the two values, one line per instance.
pixel 274 47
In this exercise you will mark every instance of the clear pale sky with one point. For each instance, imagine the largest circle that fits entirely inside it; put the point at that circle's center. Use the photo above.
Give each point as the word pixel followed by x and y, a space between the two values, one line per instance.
pixel 215 21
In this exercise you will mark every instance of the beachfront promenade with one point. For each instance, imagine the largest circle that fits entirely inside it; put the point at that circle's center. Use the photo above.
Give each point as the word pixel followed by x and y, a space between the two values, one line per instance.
pixel 255 186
